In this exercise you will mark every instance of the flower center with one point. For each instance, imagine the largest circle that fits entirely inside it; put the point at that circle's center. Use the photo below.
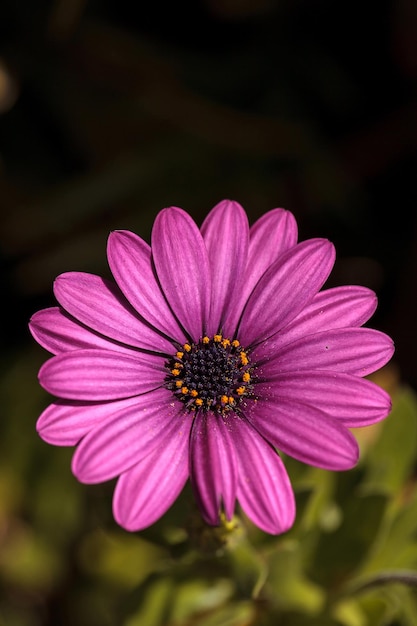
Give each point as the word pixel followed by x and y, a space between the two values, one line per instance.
pixel 214 374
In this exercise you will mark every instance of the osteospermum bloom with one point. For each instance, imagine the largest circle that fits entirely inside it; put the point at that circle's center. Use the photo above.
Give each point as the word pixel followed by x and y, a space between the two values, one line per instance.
pixel 211 350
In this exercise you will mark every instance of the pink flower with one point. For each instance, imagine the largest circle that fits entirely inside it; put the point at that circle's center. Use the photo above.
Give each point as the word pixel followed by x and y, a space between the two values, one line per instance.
pixel 212 348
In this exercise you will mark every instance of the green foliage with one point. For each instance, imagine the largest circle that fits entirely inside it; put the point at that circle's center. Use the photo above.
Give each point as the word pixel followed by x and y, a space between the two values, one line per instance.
pixel 387 470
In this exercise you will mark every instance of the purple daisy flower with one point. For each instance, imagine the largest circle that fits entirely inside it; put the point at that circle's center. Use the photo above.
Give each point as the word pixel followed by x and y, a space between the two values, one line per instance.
pixel 212 349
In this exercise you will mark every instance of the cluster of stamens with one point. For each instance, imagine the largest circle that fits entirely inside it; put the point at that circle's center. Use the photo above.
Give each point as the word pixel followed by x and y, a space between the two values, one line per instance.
pixel 214 374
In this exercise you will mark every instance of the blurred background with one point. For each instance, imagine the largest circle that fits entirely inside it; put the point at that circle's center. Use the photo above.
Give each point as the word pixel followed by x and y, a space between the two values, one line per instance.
pixel 110 111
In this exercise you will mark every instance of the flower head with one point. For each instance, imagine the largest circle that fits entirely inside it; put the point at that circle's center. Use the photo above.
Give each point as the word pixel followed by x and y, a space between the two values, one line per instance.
pixel 213 349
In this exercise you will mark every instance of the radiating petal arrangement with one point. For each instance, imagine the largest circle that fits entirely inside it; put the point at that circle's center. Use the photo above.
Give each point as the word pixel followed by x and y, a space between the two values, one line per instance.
pixel 212 351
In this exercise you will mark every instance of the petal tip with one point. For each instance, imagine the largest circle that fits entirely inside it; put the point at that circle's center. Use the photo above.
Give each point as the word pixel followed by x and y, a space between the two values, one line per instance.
pixel 351 457
pixel 123 516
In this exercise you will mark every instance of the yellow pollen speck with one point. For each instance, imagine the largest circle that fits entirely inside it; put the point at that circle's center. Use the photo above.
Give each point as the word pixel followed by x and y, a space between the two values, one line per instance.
pixel 184 390
pixel 225 343
pixel 179 355
pixel 231 400
pixel 175 372
pixel 240 390
pixel 187 347
pixel 243 358
pixel 246 377
pixel 199 402
pixel 178 383
pixel 178 365
pixel 235 343
pixel 194 393
pixel 224 399
pixel 217 338
pixel 206 339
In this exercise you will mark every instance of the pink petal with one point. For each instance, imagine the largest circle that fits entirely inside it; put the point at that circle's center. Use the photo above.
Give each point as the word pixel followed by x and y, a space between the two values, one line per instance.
pixel 56 331
pixel 226 233
pixel 127 436
pixel 340 307
pixel 145 492
pixel 65 423
pixel 351 400
pixel 358 351
pixel 304 432
pixel 182 267
pixel 271 235
pixel 212 466
pixel 96 375
pixel 100 305
pixel 264 489
pixel 130 262
pixel 286 287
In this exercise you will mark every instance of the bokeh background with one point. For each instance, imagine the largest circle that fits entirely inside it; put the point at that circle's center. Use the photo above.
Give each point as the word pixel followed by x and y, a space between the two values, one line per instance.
pixel 110 111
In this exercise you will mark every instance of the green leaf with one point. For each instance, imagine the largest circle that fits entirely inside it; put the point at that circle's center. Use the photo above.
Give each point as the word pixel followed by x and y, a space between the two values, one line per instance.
pixel 321 484
pixel 177 598
pixel 390 461
pixel 349 613
pixel 156 597
pixel 197 596
pixel 235 614
pixel 396 544
pixel 121 558
pixel 249 569
pixel 404 577
pixel 341 551
pixel 288 586
pixel 392 604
